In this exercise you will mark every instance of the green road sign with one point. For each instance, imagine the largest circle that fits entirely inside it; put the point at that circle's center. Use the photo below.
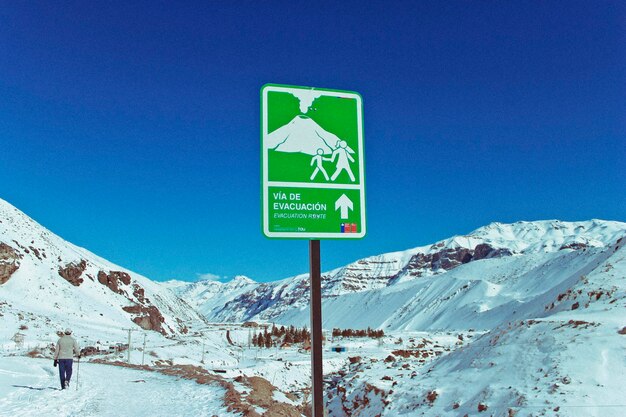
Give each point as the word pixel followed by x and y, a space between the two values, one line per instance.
pixel 313 172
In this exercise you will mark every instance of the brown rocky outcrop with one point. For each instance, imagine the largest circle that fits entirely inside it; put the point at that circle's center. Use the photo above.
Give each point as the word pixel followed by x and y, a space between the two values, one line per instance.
pixel 112 280
pixel 36 252
pixel 451 258
pixel 9 262
pixel 486 251
pixel 261 394
pixel 72 272
pixel 574 246
pixel 139 293
pixel 147 317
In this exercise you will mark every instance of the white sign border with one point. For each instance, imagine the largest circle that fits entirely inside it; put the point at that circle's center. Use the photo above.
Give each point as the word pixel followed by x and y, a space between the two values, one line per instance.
pixel 265 174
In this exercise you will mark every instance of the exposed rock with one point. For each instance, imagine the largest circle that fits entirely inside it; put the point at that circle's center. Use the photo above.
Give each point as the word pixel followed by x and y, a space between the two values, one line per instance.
pixel 73 271
pixel 358 276
pixel 122 276
pixel 448 259
pixel 181 326
pixel 147 317
pixel 112 280
pixel 139 293
pixel 363 401
pixel 451 258
pixel 574 246
pixel 9 262
pixel 431 397
pixel 36 252
pixel 486 251
pixel 262 395
pixel 105 279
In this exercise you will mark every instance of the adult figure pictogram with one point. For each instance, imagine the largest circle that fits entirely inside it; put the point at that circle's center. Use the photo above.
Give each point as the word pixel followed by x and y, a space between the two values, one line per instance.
pixel 342 154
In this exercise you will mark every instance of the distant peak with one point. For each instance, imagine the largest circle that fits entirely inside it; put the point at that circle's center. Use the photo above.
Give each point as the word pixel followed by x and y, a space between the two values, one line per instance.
pixel 242 279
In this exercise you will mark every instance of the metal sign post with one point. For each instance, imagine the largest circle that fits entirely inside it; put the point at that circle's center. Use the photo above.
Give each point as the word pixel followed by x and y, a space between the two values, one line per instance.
pixel 317 391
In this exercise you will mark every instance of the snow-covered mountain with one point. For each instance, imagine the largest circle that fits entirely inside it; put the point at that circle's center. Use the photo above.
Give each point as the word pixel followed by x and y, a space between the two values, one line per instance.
pixel 495 271
pixel 207 295
pixel 553 345
pixel 302 134
pixel 510 319
pixel 47 284
pixel 515 319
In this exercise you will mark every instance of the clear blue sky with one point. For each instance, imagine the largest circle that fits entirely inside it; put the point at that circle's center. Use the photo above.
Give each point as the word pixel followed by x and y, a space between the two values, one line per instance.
pixel 132 128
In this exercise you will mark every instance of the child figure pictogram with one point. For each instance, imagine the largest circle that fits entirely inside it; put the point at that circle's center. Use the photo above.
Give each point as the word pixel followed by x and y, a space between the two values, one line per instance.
pixel 319 164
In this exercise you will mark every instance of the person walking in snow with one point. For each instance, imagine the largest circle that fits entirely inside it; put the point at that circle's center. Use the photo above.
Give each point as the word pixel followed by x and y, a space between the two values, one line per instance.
pixel 64 357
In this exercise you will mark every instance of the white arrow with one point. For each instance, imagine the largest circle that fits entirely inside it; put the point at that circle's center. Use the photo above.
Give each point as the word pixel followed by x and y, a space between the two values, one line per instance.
pixel 344 203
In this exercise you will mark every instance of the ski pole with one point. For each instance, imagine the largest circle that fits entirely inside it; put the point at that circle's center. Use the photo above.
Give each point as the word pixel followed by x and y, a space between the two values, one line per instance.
pixel 77 373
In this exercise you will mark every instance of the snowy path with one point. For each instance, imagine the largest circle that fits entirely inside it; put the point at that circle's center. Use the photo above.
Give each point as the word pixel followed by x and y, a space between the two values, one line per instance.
pixel 29 387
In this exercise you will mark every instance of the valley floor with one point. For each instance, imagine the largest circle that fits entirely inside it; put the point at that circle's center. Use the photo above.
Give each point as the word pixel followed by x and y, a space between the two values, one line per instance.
pixel 551 367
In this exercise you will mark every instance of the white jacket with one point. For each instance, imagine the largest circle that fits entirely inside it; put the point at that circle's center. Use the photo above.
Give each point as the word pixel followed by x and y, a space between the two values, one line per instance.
pixel 65 347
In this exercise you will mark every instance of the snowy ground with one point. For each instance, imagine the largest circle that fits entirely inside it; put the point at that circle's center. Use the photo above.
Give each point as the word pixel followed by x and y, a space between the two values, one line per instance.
pixel 30 387
pixel 548 367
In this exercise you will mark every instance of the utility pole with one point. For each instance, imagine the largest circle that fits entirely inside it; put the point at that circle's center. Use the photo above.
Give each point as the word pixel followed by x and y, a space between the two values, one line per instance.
pixel 129 330
pixel 129 341
pixel 202 361
pixel 143 351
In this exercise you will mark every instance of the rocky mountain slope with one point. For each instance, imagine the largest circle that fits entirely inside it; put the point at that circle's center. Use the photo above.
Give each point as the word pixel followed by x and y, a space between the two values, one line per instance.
pixel 555 349
pixel 515 319
pixel 47 284
pixel 480 276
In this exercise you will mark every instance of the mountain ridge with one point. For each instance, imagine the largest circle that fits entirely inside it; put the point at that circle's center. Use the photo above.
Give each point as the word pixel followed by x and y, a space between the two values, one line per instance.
pixel 523 245
pixel 538 241
pixel 56 282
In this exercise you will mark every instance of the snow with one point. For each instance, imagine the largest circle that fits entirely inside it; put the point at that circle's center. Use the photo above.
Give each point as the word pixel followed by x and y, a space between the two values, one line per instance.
pixel 523 369
pixel 552 360
pixel 534 330
pixel 30 387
